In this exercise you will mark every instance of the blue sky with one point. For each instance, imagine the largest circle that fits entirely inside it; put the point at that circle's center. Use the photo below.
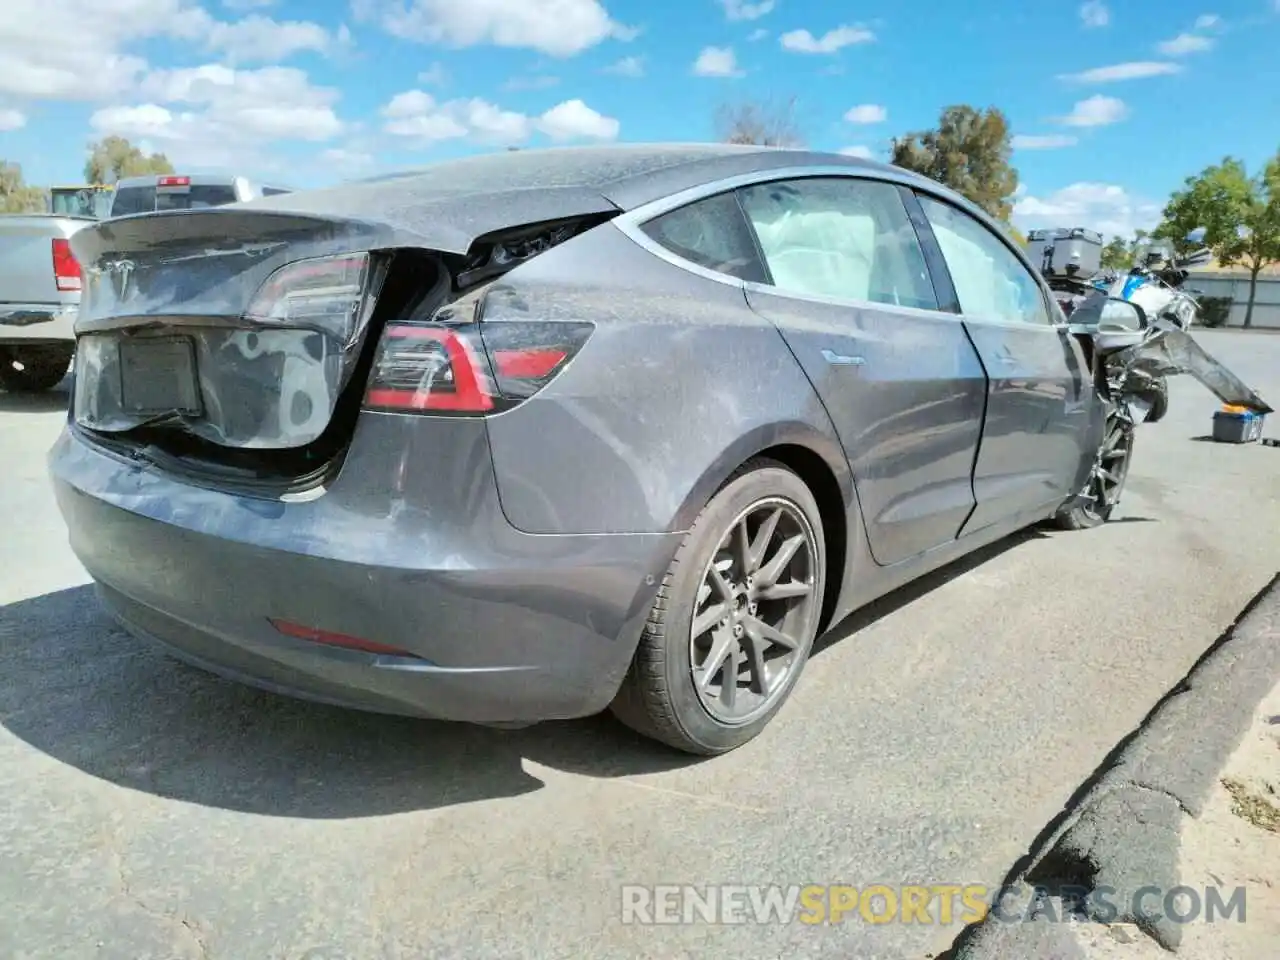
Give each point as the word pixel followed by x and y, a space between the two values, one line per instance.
pixel 1112 103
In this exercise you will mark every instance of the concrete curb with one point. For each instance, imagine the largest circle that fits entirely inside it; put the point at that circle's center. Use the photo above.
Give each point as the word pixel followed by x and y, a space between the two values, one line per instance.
pixel 1122 829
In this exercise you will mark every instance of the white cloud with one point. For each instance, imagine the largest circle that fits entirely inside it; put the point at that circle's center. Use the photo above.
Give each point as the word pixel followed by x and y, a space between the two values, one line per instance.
pixel 559 28
pixel 1045 142
pixel 1097 111
pixel 1207 21
pixel 744 10
pixel 11 119
pixel 216 116
pixel 416 115
pixel 867 113
pixel 90 52
pixel 627 67
pixel 261 39
pixel 760 33
pixel 802 41
pixel 1094 13
pixel 348 161
pixel 1104 207
pixel 717 62
pixel 863 153
pixel 537 82
pixel 1185 43
pixel 574 120
pixel 434 76
pixel 1133 70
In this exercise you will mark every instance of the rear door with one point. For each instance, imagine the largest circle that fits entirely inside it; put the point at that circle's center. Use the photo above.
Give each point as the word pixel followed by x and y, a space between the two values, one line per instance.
pixel 1039 421
pixel 851 293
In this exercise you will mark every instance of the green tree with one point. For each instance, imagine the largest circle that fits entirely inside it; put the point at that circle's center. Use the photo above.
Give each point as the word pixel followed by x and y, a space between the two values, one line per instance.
pixel 1117 254
pixel 969 151
pixel 764 124
pixel 114 157
pixel 15 195
pixel 1240 215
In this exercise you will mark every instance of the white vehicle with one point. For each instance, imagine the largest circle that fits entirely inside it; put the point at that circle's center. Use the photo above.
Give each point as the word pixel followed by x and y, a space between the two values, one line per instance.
pixel 40 280
pixel 39 297
pixel 184 192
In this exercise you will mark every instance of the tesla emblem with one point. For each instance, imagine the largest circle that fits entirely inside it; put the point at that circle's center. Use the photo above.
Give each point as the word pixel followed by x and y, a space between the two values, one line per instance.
pixel 121 272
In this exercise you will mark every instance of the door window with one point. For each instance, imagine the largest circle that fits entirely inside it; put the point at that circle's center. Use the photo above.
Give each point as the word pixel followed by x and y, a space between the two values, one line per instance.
pixel 991 282
pixel 841 238
pixel 711 233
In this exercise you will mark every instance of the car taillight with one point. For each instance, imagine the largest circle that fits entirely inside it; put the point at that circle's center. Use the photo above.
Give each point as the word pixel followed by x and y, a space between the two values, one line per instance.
pixel 66 268
pixel 174 182
pixel 430 367
pixel 469 368
pixel 326 293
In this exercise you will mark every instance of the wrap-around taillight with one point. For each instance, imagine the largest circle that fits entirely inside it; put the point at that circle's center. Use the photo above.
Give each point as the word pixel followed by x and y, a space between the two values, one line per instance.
pixel 469 369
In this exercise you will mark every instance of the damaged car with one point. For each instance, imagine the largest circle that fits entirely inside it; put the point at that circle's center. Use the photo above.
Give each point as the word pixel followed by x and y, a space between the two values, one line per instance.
pixel 538 434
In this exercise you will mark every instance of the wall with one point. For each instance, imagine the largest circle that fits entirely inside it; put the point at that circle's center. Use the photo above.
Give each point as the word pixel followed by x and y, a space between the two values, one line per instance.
pixel 1266 304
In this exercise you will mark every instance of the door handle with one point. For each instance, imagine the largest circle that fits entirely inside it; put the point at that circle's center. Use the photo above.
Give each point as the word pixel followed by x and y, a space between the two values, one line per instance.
pixel 841 359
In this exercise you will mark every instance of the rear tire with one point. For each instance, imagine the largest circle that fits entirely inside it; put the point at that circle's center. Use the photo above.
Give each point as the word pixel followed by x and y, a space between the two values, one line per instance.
pixel 35 368
pixel 745 587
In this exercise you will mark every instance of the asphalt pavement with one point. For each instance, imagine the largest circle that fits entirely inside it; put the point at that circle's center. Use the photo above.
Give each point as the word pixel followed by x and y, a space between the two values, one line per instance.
pixel 150 811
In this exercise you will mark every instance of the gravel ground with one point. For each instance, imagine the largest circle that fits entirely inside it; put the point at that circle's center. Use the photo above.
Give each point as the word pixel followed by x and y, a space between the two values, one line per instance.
pixel 150 811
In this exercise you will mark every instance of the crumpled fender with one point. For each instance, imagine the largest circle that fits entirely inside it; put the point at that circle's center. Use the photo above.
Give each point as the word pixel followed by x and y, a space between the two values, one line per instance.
pixel 1167 350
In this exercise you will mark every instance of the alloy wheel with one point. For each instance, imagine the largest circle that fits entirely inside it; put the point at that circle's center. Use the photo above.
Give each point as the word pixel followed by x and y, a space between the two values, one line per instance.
pixel 1111 467
pixel 754 613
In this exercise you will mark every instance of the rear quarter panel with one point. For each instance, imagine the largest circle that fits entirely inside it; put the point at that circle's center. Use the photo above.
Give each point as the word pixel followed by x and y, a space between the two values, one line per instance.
pixel 679 385
pixel 26 259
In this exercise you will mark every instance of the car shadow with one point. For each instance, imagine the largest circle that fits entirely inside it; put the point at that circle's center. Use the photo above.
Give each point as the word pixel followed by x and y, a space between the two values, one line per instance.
pixel 79 689
pixel 877 610
pixel 47 401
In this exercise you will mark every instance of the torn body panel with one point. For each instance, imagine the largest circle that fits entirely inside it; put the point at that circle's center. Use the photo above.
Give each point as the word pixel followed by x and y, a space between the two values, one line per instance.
pixel 1166 350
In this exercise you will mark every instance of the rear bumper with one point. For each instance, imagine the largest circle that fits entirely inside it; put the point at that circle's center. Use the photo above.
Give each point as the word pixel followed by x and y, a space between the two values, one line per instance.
pixel 506 627
pixel 37 322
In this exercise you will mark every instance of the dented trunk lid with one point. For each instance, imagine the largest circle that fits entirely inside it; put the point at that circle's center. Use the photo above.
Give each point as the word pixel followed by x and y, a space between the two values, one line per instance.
pixel 241 329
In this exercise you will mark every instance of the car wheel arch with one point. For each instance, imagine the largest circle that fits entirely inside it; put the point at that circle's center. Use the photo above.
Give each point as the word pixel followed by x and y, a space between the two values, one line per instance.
pixel 819 462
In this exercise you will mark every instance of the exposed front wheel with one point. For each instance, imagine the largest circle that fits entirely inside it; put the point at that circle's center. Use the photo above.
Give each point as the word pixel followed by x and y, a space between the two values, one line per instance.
pixel 1094 506
pixel 735 617
pixel 34 368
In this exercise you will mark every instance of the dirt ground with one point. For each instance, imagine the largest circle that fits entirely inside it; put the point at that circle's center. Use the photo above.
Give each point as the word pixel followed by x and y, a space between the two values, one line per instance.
pixel 1236 843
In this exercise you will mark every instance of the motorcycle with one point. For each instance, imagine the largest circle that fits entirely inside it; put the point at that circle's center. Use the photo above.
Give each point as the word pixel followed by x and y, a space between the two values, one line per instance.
pixel 1155 282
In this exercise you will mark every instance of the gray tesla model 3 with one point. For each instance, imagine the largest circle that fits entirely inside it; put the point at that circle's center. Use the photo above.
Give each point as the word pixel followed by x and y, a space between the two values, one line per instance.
pixel 532 435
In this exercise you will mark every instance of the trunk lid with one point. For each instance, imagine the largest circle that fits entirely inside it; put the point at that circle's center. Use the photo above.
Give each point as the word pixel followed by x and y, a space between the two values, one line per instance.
pixel 238 329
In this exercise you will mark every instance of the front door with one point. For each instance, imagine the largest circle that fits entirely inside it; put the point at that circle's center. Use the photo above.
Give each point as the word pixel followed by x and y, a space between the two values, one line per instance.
pixel 1039 421
pixel 850 292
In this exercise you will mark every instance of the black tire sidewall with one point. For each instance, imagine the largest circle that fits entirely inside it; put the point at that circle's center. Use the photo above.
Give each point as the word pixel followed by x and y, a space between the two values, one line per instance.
pixel 45 367
pixel 705 536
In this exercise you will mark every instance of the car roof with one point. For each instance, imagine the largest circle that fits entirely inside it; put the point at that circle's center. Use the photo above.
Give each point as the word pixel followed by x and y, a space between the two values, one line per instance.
pixel 449 205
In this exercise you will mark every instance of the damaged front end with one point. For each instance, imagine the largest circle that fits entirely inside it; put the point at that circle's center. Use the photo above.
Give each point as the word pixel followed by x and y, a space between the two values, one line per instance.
pixel 1165 350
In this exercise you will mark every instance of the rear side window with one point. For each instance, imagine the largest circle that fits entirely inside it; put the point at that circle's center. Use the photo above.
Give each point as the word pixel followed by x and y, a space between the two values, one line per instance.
pixel 133 200
pixel 841 238
pixel 711 233
pixel 273 191
pixel 195 197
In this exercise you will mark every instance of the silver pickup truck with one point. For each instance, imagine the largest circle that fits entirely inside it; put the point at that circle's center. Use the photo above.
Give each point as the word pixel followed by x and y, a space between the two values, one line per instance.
pixel 39 296
pixel 40 280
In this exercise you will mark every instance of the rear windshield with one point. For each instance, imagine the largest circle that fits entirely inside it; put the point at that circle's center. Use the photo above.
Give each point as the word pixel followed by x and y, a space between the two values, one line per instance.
pixel 148 199
pixel 191 198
